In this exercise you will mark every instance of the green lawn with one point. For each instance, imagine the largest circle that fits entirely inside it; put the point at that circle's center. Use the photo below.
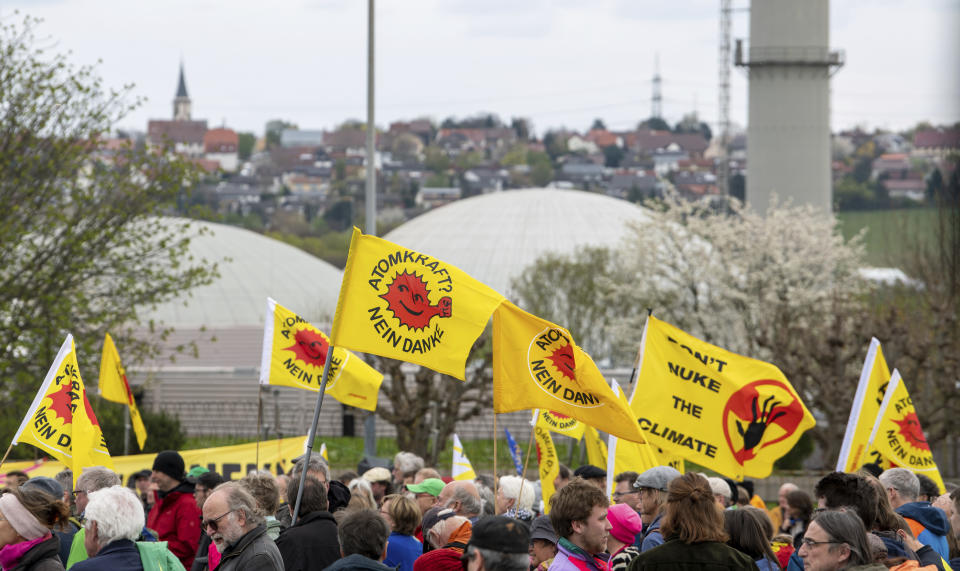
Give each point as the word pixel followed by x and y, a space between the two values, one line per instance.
pixel 892 235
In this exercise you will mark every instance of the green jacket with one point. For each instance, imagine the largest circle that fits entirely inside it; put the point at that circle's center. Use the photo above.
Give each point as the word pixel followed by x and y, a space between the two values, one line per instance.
pixel 156 557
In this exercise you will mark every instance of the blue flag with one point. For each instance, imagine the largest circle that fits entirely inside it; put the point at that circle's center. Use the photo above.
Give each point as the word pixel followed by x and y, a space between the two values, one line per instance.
pixel 514 452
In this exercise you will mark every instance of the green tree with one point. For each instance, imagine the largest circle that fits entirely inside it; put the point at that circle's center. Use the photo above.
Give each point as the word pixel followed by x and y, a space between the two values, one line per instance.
pixel 598 124
pixel 612 156
pixel 654 123
pixel 274 128
pixel 436 160
pixel 245 143
pixel 83 248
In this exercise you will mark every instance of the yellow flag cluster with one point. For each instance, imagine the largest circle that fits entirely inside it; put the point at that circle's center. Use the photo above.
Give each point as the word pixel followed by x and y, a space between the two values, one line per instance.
pixel 294 353
pixel 114 387
pixel 60 421
pixel 730 413
pixel 549 463
pixel 883 427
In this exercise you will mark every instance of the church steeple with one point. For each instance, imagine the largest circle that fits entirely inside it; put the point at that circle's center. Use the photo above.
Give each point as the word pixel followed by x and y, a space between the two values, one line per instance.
pixel 181 103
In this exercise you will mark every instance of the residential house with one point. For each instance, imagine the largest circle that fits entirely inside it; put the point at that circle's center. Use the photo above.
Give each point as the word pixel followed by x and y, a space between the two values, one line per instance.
pixel 694 185
pixel 889 163
pixel 434 196
pixel 182 137
pixel 222 145
pixel 936 143
pixel 694 145
pixel 482 180
pixel 627 183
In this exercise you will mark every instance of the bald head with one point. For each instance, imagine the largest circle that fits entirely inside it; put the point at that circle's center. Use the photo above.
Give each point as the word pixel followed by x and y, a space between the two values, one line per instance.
pixel 439 534
pixel 784 490
pixel 462 497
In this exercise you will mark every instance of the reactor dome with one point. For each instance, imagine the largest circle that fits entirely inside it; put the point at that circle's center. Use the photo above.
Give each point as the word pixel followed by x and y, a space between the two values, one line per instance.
pixel 252 267
pixel 493 237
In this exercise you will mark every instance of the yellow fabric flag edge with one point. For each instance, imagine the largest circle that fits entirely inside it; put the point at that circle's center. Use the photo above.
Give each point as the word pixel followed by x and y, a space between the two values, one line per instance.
pixel 844 461
pixel 62 354
pixel 136 421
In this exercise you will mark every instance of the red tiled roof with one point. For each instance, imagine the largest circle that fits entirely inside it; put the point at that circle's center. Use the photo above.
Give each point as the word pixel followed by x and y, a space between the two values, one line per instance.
pixel 651 140
pixel 601 137
pixel 189 132
pixel 937 139
pixel 220 141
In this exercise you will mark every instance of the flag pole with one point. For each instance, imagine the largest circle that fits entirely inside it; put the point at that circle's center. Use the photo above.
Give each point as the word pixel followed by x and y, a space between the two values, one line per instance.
pixel 313 433
pixel 7 453
pixel 126 429
pixel 495 479
pixel 526 461
pixel 259 421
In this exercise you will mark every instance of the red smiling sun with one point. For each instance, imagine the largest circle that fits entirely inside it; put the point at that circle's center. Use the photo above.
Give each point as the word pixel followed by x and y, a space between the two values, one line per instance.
pixel 310 347
pixel 912 432
pixel 563 360
pixel 409 300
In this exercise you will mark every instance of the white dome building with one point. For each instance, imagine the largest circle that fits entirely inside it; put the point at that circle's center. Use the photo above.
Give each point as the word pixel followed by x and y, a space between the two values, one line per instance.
pixel 493 237
pixel 251 267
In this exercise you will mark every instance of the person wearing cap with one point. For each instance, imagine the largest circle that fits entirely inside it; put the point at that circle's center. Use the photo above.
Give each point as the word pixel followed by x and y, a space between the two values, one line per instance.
pixel 26 518
pixel 175 515
pixel 593 475
pixel 498 542
pixel 426 493
pixel 626 525
pixel 379 480
pixel 653 501
pixel 543 543
pixel 721 492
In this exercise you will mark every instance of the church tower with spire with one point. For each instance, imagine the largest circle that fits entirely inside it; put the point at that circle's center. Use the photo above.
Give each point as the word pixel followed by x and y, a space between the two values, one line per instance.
pixel 181 103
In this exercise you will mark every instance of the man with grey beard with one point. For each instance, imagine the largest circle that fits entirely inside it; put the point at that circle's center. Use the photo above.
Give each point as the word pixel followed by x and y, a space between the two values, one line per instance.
pixel 231 520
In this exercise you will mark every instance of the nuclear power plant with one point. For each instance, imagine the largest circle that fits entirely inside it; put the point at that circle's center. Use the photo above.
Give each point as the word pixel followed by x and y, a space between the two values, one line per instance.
pixel 789 64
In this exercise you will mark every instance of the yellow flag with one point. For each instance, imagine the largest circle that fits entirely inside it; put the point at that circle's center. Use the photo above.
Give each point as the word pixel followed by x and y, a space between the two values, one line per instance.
pixel 726 412
pixel 461 469
pixel 596 449
pixel 295 351
pixel 623 456
pixel 562 424
pixel 874 379
pixel 398 303
pixel 536 364
pixel 548 461
pixel 898 436
pixel 114 387
pixel 323 452
pixel 60 421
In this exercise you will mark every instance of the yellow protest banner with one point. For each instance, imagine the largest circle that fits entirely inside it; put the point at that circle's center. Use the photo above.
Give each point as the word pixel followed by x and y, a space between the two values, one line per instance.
pixel 549 463
pixel 60 421
pixel 729 413
pixel 114 387
pixel 898 436
pixel 398 303
pixel 233 462
pixel 294 352
pixel 596 449
pixel 537 364
pixel 624 456
pixel 562 424
pixel 874 379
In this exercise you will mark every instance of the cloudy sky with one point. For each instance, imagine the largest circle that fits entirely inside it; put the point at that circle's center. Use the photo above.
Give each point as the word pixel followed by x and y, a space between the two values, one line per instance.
pixel 556 62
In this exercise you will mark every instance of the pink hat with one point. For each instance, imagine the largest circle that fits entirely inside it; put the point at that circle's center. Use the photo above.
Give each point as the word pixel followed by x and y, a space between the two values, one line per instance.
pixel 626 523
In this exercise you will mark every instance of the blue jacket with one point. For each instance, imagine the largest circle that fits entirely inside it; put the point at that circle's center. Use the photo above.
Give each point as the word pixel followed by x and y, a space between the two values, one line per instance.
pixel 120 555
pixel 651 536
pixel 402 551
pixel 933 522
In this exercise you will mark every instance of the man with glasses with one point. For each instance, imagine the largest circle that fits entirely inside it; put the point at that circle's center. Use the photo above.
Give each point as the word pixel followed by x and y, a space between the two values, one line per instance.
pixel 834 540
pixel 652 486
pixel 624 492
pixel 426 493
pixel 92 478
pixel 231 520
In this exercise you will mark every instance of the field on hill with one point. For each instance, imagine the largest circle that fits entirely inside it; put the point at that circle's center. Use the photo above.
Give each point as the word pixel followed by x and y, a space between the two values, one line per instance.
pixel 892 235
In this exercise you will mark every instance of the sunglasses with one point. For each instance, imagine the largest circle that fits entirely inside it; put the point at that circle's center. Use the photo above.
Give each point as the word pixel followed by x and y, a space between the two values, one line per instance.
pixel 212 523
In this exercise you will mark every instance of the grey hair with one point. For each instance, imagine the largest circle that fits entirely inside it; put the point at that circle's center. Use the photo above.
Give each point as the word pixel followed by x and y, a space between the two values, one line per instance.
pixel 845 527
pixel 499 561
pixel 519 489
pixel 97 478
pixel 118 513
pixel 408 462
pixel 364 487
pixel 903 481
pixel 489 502
pixel 470 504
pixel 65 479
pixel 239 499
pixel 317 464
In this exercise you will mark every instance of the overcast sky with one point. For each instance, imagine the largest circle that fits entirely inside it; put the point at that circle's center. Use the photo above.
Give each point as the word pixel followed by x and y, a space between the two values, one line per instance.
pixel 556 62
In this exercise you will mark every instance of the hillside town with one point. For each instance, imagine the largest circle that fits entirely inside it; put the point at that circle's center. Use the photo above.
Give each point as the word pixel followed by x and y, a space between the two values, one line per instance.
pixel 290 176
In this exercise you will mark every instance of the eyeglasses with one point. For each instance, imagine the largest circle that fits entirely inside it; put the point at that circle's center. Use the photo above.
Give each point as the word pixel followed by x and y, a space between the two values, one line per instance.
pixel 812 542
pixel 621 494
pixel 76 493
pixel 212 523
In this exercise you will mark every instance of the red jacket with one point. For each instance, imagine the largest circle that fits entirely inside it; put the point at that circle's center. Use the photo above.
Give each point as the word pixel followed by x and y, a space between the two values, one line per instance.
pixel 176 519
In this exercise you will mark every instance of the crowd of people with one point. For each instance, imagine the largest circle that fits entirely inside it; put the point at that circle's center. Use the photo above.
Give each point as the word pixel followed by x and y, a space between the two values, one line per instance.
pixel 410 518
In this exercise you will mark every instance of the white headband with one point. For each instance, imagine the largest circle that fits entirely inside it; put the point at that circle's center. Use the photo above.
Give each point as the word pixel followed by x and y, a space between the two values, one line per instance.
pixel 20 518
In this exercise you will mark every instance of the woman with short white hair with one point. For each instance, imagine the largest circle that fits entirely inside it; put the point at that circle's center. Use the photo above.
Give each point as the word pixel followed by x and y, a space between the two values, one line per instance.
pixel 515 498
pixel 114 520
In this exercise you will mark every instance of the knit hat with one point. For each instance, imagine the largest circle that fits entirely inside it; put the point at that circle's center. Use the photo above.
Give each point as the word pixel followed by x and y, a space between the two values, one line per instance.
pixel 432 486
pixel 590 472
pixel 170 463
pixel 501 533
pixel 626 523
pixel 44 484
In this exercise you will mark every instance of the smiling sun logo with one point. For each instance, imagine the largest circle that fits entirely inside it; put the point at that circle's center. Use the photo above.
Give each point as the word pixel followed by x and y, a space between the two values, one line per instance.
pixel 310 347
pixel 912 432
pixel 563 360
pixel 63 403
pixel 408 299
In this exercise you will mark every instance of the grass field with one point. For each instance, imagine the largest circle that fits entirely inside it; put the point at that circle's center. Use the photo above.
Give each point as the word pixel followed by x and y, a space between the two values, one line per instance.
pixel 892 235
